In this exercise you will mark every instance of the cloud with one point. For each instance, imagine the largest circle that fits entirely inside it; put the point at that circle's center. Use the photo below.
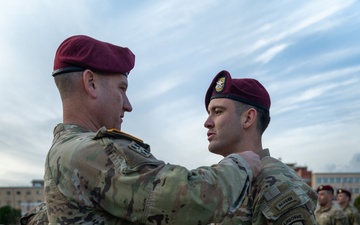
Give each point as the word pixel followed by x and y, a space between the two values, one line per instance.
pixel 352 166
pixel 271 53
pixel 311 14
pixel 158 87
pixel 304 53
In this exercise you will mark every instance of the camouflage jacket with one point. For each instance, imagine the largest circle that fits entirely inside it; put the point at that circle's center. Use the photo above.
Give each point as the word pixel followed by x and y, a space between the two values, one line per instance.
pixel 278 196
pixel 331 216
pixel 110 177
pixel 352 214
pixel 36 216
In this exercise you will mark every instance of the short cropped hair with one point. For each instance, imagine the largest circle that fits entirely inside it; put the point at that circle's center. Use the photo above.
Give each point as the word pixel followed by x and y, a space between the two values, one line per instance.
pixel 263 118
pixel 68 83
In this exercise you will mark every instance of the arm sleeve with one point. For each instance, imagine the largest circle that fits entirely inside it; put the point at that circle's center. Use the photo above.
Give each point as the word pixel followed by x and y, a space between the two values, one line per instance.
pixel 198 196
pixel 134 186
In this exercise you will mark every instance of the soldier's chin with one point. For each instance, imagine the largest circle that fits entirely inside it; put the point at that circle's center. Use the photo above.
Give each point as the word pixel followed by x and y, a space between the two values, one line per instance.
pixel 213 149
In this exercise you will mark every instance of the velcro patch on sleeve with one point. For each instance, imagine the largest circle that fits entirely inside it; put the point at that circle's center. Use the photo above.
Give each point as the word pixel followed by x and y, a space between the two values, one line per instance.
pixel 286 201
pixel 278 205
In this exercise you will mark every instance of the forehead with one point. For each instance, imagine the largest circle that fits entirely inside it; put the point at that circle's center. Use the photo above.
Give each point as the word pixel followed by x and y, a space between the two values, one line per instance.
pixel 341 194
pixel 117 78
pixel 324 192
pixel 221 102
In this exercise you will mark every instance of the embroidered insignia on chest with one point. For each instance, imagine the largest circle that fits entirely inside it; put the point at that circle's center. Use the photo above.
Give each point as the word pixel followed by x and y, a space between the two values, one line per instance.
pixel 220 84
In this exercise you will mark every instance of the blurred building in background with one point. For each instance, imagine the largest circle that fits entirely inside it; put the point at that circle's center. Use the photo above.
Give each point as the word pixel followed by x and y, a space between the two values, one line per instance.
pixel 23 198
pixel 349 181
pixel 303 172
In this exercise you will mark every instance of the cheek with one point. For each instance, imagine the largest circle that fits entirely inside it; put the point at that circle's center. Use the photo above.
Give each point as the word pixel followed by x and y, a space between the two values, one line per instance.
pixel 232 123
pixel 116 98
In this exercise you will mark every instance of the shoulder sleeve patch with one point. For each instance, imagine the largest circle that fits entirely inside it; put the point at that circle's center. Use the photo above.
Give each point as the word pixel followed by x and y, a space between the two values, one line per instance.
pixel 297 216
pixel 283 202
pixel 137 148
pixel 117 134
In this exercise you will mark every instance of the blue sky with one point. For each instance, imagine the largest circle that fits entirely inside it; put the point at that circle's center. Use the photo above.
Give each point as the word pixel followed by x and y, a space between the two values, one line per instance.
pixel 306 53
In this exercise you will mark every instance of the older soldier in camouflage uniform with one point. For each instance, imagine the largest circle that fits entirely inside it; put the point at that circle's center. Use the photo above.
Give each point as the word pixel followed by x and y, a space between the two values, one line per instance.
pixel 343 198
pixel 238 115
pixel 96 174
pixel 328 214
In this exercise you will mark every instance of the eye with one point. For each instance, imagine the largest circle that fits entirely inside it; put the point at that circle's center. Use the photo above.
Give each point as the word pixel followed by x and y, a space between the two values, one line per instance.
pixel 123 88
pixel 217 112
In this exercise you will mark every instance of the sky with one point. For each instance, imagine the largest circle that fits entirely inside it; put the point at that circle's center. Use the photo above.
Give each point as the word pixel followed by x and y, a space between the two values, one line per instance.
pixel 306 54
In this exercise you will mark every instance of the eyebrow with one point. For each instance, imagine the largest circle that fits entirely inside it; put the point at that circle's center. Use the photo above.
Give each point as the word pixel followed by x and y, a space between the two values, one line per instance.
pixel 124 83
pixel 217 107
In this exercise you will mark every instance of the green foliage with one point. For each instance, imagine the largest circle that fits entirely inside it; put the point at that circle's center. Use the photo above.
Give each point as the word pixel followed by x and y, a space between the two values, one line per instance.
pixel 357 202
pixel 9 215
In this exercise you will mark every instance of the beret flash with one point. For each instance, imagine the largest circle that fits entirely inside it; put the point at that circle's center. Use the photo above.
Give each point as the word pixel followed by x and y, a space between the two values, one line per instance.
pixel 325 188
pixel 245 90
pixel 81 52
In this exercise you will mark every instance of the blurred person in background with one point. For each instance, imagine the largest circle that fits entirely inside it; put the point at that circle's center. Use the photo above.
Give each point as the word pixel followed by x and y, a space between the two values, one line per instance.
pixel 328 213
pixel 343 198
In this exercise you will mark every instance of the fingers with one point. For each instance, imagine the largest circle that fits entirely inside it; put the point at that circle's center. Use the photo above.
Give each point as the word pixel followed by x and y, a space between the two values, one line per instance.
pixel 253 160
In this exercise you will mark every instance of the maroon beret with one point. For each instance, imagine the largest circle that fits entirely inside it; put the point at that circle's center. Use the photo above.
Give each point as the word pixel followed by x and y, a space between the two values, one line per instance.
pixel 81 52
pixel 246 90
pixel 325 188
pixel 341 190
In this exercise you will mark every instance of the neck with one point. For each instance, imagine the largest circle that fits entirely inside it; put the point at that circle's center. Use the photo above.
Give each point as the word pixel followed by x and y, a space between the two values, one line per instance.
pixel 343 205
pixel 79 115
pixel 251 142
pixel 327 205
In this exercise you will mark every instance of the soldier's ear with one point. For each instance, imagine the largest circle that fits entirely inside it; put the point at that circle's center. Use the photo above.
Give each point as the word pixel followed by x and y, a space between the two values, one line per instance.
pixel 249 117
pixel 89 79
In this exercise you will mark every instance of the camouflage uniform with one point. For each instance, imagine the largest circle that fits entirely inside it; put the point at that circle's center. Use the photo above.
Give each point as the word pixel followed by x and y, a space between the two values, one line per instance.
pixel 278 196
pixel 330 216
pixel 352 214
pixel 36 216
pixel 110 177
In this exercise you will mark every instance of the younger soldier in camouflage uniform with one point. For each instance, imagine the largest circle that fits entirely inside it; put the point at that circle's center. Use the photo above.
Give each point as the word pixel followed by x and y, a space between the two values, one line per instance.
pixel 238 115
pixel 328 214
pixel 343 198
pixel 96 174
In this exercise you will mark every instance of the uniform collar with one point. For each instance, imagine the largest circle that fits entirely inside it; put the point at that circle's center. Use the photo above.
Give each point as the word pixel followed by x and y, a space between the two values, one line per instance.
pixel 263 153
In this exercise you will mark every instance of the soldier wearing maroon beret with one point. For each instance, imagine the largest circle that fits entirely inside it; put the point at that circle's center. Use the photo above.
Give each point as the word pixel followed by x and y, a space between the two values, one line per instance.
pixel 343 198
pixel 239 113
pixel 325 188
pixel 97 174
pixel 327 213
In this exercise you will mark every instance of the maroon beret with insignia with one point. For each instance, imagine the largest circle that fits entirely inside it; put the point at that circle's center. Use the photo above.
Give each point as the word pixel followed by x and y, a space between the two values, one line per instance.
pixel 81 52
pixel 246 90
pixel 341 190
pixel 325 188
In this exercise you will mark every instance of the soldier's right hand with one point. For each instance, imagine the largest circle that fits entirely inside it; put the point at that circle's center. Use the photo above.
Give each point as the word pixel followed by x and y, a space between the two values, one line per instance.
pixel 253 160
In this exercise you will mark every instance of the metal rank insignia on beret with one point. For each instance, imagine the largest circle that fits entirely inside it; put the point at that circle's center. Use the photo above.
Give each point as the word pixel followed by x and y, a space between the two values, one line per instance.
pixel 220 84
